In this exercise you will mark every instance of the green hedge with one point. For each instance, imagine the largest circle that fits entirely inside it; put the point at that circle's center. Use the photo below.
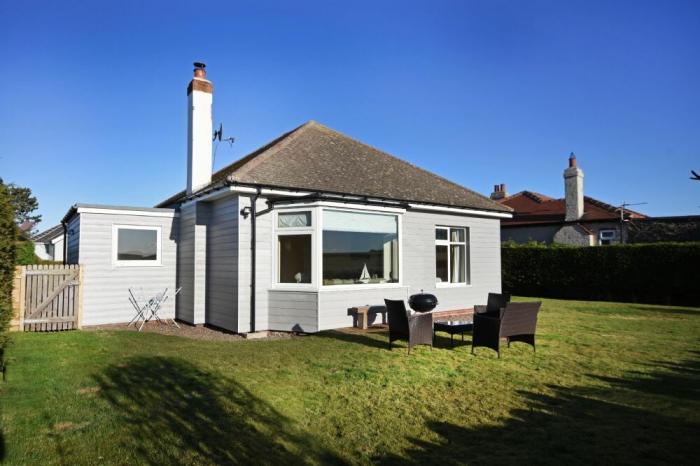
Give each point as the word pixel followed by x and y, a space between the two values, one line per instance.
pixel 660 273
pixel 8 236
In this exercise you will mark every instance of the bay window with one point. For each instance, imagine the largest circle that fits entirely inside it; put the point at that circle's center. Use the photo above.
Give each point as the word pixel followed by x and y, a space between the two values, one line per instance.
pixel 360 248
pixel 452 255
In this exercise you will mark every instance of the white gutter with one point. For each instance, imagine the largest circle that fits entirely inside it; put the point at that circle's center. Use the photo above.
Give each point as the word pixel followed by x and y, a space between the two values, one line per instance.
pixel 225 190
pixel 456 210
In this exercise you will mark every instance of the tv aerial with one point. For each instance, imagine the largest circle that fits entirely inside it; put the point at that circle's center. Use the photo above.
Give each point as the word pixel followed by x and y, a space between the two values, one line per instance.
pixel 219 136
pixel 695 176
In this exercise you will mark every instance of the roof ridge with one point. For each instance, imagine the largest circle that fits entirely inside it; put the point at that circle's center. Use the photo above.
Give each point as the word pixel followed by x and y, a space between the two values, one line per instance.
pixel 324 127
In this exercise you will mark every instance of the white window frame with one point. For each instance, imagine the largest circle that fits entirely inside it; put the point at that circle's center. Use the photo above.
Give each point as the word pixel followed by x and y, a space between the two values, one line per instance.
pixel 136 263
pixel 361 286
pixel 292 231
pixel 607 230
pixel 467 252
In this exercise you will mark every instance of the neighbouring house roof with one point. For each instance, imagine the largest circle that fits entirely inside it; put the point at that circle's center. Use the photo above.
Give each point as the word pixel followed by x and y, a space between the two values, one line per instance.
pixel 533 208
pixel 316 158
pixel 49 234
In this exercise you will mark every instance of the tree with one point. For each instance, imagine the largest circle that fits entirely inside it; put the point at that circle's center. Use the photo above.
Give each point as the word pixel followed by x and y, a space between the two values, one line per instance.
pixel 8 234
pixel 23 202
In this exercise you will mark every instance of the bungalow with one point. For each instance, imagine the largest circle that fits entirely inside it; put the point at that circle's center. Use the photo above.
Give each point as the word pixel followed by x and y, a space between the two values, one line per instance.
pixel 48 245
pixel 290 236
pixel 576 219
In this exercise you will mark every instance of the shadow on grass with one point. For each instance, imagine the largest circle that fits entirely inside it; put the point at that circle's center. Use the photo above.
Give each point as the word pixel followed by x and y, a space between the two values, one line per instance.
pixel 373 339
pixel 177 413
pixel 577 426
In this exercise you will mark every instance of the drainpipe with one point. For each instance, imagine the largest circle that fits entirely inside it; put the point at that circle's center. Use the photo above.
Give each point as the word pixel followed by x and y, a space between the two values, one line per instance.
pixel 253 214
pixel 65 241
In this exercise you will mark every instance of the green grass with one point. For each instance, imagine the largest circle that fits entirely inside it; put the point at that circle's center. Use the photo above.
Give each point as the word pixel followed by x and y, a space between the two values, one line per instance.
pixel 611 383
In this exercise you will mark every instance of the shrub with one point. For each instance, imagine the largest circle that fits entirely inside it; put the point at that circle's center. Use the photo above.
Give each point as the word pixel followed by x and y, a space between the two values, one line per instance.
pixel 8 235
pixel 658 273
pixel 25 253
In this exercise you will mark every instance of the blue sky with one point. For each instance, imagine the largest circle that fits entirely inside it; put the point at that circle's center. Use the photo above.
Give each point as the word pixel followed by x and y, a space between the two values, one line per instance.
pixel 93 103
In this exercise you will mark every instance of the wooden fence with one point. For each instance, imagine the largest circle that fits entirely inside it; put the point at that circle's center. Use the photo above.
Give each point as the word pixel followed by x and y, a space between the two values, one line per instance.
pixel 47 298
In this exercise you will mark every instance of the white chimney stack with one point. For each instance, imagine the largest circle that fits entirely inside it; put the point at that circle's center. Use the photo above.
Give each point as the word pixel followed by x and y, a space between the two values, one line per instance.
pixel 199 130
pixel 573 190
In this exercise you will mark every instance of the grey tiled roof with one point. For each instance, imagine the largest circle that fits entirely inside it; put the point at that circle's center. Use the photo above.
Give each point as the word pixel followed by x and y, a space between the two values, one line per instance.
pixel 316 158
pixel 49 234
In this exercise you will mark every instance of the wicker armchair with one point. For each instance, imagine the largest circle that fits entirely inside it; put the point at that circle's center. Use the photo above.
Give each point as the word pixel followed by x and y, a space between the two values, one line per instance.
pixel 494 305
pixel 417 329
pixel 517 322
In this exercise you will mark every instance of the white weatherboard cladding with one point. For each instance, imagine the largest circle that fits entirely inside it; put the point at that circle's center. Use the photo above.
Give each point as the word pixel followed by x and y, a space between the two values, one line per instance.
pixel 263 276
pixel 287 309
pixel 105 292
pixel 199 141
pixel 222 264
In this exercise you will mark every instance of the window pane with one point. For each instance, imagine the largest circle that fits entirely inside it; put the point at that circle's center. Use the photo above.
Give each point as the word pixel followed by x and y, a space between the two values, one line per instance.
pixel 360 248
pixel 137 245
pixel 441 233
pixel 457 235
pixel 294 219
pixel 457 263
pixel 441 264
pixel 294 258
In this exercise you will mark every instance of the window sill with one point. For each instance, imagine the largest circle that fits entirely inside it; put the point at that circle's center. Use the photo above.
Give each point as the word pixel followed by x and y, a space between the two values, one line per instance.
pixel 452 285
pixel 120 265
pixel 293 287
pixel 362 286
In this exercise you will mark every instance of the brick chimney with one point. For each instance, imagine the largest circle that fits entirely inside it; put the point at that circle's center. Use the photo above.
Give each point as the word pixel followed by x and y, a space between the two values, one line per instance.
pixel 199 130
pixel 499 192
pixel 573 190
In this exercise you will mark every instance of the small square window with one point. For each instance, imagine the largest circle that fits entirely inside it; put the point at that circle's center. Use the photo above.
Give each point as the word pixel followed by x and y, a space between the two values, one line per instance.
pixel 136 246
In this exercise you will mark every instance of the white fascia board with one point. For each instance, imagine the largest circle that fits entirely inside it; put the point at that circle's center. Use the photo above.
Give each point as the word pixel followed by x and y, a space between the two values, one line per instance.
pixel 341 205
pixel 142 213
pixel 226 190
pixel 456 210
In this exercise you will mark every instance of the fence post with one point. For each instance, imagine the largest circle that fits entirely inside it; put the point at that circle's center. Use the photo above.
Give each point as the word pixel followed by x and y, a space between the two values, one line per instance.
pixel 81 285
pixel 18 298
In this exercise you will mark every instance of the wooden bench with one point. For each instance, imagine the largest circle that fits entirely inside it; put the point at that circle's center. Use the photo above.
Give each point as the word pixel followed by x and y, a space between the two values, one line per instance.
pixel 362 313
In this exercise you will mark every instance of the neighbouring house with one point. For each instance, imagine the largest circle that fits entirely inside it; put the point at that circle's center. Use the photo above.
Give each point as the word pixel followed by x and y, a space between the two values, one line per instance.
pixel 48 245
pixel 576 219
pixel 290 237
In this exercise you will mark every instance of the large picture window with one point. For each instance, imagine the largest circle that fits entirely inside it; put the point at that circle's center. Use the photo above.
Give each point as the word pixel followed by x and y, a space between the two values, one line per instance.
pixel 136 245
pixel 452 255
pixel 294 247
pixel 360 248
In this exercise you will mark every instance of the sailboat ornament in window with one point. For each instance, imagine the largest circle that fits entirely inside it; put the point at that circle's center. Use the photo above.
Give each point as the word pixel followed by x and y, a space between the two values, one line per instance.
pixel 364 278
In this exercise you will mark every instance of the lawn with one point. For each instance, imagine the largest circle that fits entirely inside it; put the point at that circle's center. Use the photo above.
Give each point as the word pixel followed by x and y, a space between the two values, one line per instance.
pixel 610 383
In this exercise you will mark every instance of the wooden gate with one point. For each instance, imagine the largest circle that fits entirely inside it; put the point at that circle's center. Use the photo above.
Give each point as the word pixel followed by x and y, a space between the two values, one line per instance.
pixel 49 297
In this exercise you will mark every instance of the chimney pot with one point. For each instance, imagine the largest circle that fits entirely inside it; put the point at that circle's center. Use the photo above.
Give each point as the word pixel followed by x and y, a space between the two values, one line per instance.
pixel 572 160
pixel 495 188
pixel 199 70
pixel 503 187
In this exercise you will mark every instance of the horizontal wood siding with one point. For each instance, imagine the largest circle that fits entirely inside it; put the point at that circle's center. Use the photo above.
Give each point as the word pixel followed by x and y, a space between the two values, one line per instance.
pixel 73 247
pixel 222 264
pixel 293 311
pixel 185 263
pixel 334 304
pixel 105 293
pixel 419 258
pixel 263 266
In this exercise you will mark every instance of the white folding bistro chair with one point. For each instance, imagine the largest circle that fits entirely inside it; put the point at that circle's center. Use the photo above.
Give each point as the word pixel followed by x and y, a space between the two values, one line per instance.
pixel 149 309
